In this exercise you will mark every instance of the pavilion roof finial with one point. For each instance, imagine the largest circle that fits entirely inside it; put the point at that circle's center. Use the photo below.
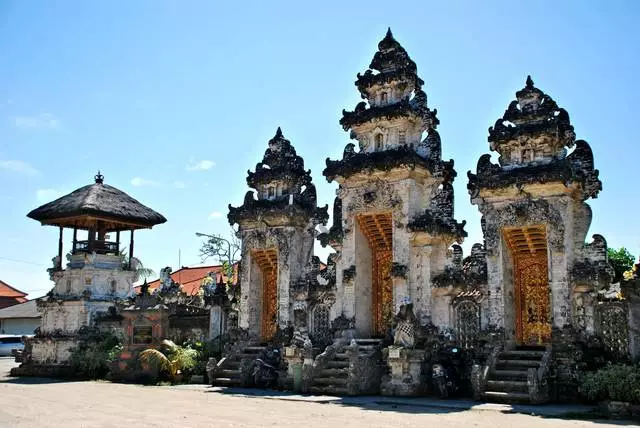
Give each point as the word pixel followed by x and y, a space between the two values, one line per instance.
pixel 99 178
pixel 278 133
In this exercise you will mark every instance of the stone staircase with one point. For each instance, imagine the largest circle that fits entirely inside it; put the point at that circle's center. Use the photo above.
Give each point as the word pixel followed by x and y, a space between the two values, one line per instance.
pixel 229 369
pixel 334 376
pixel 508 377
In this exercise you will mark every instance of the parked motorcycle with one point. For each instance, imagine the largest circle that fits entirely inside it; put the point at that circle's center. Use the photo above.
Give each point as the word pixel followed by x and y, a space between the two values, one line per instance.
pixel 265 371
pixel 445 374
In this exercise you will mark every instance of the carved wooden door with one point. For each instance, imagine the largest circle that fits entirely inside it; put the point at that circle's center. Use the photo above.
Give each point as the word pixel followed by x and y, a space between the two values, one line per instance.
pixel 382 291
pixel 269 305
pixel 533 301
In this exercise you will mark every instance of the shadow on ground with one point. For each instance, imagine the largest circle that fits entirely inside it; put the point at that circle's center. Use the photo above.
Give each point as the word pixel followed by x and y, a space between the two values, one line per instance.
pixel 427 405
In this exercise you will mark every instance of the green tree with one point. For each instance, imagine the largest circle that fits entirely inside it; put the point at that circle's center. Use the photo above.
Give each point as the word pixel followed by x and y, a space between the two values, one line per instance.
pixel 225 251
pixel 621 260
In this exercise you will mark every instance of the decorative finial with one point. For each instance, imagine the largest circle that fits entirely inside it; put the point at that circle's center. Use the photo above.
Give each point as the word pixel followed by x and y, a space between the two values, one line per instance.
pixel 278 133
pixel 529 83
pixel 99 178
pixel 389 34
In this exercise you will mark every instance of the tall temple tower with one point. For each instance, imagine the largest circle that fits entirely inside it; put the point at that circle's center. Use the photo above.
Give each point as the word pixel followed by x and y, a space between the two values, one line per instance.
pixel 541 275
pixel 277 232
pixel 393 215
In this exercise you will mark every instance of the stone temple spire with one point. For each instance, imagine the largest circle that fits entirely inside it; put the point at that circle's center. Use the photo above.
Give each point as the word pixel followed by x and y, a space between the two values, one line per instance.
pixel 393 94
pixel 390 123
pixel 282 184
pixel 533 137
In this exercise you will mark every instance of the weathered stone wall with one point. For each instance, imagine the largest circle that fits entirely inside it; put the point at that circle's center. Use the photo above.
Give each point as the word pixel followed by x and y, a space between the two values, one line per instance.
pixel 67 317
pixel 51 351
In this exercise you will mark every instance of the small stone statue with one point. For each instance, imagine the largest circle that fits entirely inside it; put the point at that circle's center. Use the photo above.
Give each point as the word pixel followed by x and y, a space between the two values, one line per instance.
pixel 165 279
pixel 91 258
pixel 405 325
pixel 212 365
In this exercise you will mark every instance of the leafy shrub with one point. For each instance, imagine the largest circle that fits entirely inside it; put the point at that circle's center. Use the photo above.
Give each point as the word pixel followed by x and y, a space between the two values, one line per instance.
pixel 93 355
pixel 169 358
pixel 204 351
pixel 615 382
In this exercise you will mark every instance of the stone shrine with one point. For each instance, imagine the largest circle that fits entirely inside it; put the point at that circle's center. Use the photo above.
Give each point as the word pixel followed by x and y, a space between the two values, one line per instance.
pixel 98 274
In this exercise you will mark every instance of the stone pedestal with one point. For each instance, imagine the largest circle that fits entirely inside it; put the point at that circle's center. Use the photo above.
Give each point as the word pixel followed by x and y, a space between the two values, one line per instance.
pixel 406 378
pixel 294 356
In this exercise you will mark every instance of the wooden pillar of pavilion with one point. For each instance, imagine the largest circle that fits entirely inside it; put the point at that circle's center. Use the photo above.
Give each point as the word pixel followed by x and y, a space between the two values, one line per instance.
pixel 75 240
pixel 131 249
pixel 60 245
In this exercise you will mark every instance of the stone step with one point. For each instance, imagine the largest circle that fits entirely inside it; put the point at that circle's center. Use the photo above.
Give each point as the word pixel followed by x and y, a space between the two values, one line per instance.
pixel 517 363
pixel 228 373
pixel 337 364
pixel 329 381
pixel 366 348
pixel 328 390
pixel 507 397
pixel 254 349
pixel 226 381
pixel 341 356
pixel 530 348
pixel 521 355
pixel 507 386
pixel 330 372
pixel 246 355
pixel 368 341
pixel 508 374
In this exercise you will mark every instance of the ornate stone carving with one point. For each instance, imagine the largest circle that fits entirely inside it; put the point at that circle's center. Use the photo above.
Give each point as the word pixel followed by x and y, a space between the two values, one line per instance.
pixel 405 321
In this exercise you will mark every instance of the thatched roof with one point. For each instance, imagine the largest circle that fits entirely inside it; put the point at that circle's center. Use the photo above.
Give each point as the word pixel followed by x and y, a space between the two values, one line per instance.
pixel 82 208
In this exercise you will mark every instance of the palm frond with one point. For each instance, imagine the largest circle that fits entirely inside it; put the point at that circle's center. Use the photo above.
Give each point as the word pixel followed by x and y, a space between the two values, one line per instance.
pixel 155 359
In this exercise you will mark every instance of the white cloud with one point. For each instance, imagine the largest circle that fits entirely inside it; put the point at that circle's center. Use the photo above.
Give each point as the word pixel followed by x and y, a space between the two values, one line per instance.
pixel 48 195
pixel 18 166
pixel 214 215
pixel 179 185
pixel 45 120
pixel 202 165
pixel 139 181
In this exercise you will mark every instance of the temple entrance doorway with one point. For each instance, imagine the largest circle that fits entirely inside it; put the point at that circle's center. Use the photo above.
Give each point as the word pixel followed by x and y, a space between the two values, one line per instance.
pixel 378 231
pixel 267 261
pixel 528 246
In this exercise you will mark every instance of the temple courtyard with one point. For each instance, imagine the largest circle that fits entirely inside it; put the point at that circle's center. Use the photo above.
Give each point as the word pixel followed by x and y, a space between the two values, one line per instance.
pixel 47 403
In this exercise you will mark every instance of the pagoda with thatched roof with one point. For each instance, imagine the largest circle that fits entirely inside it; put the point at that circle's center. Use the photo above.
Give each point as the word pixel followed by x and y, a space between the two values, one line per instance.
pixel 98 273
pixel 98 209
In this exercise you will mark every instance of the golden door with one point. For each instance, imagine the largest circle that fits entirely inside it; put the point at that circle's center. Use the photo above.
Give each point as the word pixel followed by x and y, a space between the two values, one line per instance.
pixel 533 301
pixel 382 291
pixel 269 305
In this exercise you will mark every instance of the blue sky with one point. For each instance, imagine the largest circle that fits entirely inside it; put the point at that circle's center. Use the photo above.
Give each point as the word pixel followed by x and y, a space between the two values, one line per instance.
pixel 174 101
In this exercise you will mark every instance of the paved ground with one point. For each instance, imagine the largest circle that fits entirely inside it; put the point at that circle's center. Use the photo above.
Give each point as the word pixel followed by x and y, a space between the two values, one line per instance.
pixel 46 403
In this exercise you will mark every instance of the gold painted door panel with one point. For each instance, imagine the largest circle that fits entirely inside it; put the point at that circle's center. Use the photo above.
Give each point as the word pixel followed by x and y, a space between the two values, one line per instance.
pixel 533 300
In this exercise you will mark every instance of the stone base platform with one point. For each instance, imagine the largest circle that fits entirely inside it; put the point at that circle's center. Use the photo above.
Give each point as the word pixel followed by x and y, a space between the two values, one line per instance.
pixel 406 367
